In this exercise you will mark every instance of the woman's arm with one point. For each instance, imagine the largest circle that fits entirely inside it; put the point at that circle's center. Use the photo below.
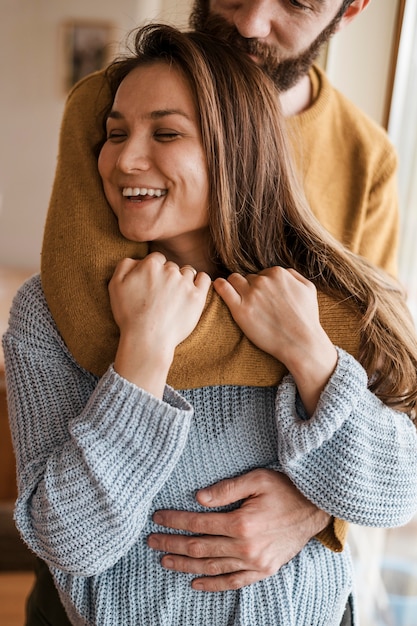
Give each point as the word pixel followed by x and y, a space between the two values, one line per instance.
pixel 90 456
pixel 354 458
pixel 341 446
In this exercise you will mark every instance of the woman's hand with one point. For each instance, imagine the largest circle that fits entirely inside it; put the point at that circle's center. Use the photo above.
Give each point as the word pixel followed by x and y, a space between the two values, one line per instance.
pixel 277 310
pixel 156 305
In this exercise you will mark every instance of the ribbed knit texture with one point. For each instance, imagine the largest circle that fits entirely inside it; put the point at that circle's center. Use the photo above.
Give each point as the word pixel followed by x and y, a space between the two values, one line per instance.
pixel 96 457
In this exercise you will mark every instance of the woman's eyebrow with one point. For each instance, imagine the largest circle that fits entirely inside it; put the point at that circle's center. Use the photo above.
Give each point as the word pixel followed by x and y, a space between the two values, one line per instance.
pixel 154 115
pixel 115 115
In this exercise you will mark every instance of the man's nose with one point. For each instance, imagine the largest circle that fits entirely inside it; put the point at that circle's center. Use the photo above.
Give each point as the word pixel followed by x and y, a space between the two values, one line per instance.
pixel 253 18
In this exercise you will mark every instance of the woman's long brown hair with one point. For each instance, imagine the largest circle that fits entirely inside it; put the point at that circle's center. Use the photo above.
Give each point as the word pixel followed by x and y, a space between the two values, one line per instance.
pixel 259 216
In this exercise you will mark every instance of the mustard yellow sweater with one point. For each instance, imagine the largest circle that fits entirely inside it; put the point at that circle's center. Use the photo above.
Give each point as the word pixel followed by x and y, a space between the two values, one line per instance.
pixel 82 243
pixel 349 170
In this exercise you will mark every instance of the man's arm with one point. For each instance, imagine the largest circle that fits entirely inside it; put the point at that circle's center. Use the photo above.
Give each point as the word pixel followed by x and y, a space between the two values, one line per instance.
pixel 243 546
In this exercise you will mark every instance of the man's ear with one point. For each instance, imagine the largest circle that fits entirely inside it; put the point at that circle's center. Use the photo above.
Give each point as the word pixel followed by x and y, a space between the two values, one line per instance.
pixel 352 11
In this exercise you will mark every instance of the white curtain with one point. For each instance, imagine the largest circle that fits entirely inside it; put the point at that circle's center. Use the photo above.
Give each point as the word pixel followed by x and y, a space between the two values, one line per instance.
pixel 403 132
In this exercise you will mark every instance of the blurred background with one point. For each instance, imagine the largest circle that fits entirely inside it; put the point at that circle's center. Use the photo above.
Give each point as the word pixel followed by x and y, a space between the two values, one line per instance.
pixel 46 45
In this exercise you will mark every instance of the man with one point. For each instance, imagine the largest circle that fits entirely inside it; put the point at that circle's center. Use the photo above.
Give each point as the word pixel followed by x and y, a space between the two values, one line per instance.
pixel 351 187
pixel 349 172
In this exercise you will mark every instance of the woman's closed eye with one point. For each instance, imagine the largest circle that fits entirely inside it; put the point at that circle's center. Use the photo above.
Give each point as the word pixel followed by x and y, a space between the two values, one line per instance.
pixel 165 134
pixel 116 135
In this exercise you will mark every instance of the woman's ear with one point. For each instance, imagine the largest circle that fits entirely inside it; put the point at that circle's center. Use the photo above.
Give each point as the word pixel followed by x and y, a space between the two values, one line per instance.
pixel 352 11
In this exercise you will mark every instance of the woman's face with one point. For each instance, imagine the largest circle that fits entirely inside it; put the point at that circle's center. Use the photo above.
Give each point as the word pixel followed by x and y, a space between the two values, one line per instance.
pixel 152 164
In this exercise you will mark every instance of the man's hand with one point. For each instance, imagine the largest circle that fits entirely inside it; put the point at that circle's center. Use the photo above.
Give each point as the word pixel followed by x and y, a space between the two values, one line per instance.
pixel 239 547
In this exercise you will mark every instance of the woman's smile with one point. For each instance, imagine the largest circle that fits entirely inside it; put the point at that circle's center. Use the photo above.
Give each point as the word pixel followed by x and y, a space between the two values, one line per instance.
pixel 142 193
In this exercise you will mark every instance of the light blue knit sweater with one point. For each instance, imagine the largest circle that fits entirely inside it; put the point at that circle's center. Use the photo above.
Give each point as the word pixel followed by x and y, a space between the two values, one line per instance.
pixel 97 457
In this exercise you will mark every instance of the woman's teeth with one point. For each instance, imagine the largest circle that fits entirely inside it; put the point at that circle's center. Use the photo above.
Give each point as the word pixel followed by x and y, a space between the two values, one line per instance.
pixel 143 191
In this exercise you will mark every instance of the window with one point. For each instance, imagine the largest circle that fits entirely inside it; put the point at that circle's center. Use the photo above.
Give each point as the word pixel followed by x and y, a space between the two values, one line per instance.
pixel 386 560
pixel 402 129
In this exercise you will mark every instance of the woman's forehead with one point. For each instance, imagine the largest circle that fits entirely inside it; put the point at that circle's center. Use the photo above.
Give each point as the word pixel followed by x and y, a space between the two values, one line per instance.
pixel 153 87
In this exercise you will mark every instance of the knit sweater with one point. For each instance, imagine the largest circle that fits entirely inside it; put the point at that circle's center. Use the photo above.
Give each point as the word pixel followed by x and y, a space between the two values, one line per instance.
pixel 97 456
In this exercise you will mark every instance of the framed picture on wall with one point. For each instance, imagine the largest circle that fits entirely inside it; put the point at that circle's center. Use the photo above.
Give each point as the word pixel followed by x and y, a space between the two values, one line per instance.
pixel 88 46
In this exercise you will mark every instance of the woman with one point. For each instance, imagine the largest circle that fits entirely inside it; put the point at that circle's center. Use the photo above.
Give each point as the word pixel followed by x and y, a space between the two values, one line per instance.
pixel 219 301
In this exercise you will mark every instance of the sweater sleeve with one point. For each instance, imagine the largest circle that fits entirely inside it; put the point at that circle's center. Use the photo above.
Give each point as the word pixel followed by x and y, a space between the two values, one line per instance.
pixel 90 457
pixel 354 458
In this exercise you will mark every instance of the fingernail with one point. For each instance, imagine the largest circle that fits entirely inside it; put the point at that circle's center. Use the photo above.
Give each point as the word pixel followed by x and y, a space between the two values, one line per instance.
pixel 157 518
pixel 205 495
pixel 168 563
pixel 198 586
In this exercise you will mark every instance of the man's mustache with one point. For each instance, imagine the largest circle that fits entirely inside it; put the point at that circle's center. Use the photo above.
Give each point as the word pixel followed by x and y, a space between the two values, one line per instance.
pixel 265 53
pixel 219 27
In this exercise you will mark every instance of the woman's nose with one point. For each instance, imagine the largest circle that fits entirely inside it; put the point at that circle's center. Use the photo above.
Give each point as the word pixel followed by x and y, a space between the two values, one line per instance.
pixel 133 156
pixel 252 18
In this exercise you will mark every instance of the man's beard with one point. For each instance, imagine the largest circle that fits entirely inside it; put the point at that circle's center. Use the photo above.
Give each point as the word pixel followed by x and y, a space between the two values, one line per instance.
pixel 284 72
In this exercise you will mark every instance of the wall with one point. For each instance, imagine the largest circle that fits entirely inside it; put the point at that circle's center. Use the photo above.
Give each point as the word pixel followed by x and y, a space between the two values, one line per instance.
pixel 172 11
pixel 32 103
pixel 176 11
pixel 358 61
